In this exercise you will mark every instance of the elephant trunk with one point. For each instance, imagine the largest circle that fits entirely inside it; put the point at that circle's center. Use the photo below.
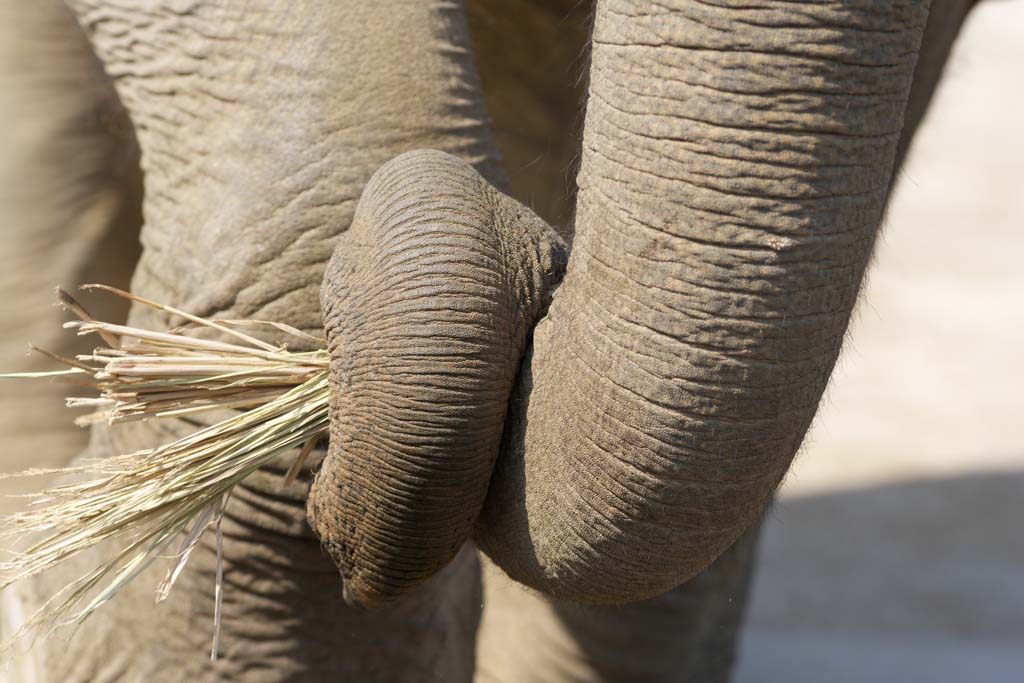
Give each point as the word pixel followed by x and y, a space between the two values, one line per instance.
pixel 428 304
pixel 735 164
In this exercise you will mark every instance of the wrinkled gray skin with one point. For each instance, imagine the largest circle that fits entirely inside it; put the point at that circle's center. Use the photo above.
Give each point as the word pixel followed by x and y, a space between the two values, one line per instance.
pixel 734 167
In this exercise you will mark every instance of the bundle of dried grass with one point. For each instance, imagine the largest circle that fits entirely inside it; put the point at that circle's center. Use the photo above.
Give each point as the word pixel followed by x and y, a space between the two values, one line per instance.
pixel 157 503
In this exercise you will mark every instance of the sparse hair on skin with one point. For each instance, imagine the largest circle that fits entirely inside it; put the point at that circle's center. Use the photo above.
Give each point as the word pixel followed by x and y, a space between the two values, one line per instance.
pixel 141 503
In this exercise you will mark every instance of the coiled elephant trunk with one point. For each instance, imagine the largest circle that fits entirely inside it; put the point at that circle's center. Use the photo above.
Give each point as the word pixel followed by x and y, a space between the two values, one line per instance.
pixel 428 305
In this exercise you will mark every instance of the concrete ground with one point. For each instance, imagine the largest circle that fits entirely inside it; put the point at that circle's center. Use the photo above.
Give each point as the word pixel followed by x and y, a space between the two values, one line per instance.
pixel 896 552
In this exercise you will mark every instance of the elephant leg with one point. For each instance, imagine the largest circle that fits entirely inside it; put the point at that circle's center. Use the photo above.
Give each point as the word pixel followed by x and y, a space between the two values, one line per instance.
pixel 70 211
pixel 260 124
pixel 687 634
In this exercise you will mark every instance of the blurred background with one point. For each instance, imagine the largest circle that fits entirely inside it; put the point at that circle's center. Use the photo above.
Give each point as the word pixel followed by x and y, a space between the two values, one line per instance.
pixel 896 549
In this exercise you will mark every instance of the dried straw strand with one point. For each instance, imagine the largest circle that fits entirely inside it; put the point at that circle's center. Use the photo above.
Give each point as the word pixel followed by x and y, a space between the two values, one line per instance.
pixel 141 502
